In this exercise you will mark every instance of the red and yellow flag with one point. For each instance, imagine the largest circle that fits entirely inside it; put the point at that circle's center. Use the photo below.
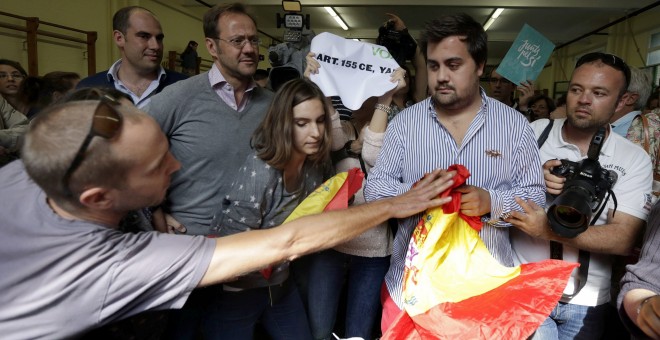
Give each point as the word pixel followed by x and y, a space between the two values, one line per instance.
pixel 334 194
pixel 454 289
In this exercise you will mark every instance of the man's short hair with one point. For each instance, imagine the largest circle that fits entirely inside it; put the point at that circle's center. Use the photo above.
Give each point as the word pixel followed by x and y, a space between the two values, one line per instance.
pixel 122 16
pixel 640 83
pixel 52 142
pixel 212 16
pixel 610 60
pixel 461 25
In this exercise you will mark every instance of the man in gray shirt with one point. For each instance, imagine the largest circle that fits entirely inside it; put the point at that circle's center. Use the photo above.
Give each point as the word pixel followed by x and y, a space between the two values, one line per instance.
pixel 209 118
pixel 65 266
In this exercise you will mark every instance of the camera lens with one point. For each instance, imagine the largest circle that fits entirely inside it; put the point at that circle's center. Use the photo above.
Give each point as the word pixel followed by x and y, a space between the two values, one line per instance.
pixel 570 212
pixel 569 216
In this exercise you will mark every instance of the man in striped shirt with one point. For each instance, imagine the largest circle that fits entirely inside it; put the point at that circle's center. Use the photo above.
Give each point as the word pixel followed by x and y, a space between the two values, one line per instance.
pixel 458 124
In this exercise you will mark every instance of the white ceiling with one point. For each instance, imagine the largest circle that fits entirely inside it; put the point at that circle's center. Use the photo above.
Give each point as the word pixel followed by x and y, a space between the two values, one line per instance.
pixel 561 21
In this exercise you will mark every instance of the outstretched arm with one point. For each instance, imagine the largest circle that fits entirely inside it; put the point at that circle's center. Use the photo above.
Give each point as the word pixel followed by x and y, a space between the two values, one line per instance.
pixel 245 252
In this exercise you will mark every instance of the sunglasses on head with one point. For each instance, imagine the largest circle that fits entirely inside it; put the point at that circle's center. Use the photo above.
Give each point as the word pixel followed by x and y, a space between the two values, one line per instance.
pixel 607 59
pixel 106 123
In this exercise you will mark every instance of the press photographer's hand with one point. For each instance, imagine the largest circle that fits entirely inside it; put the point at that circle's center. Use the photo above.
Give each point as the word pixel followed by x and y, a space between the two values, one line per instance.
pixel 554 184
pixel 532 220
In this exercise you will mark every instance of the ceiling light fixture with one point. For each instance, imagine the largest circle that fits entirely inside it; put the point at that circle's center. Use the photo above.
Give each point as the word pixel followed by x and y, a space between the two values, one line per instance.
pixel 337 18
pixel 492 18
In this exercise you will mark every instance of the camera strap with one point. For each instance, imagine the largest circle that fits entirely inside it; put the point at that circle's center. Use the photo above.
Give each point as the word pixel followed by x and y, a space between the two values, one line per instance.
pixel 544 135
pixel 556 248
pixel 557 253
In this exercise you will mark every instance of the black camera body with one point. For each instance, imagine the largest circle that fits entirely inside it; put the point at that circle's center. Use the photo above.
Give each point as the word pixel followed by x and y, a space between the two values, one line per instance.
pixel 399 43
pixel 586 185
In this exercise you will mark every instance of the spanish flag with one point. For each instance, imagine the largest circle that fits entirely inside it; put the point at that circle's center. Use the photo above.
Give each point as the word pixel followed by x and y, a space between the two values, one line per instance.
pixel 334 194
pixel 454 289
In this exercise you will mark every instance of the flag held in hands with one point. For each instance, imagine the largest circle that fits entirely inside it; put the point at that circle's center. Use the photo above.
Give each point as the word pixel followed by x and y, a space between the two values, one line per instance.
pixel 334 194
pixel 454 289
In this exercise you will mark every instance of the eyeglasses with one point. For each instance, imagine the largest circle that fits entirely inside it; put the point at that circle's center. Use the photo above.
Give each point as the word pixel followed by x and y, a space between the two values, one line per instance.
pixel 239 43
pixel 14 75
pixel 499 80
pixel 106 123
pixel 607 59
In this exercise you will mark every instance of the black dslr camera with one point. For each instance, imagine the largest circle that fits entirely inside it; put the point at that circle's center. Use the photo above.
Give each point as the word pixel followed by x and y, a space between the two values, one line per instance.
pixel 586 185
pixel 399 43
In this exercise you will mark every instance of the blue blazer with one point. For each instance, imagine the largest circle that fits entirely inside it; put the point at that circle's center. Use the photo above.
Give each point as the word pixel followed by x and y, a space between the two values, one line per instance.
pixel 103 79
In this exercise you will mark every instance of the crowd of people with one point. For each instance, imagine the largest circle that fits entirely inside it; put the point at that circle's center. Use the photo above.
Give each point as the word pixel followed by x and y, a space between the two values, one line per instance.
pixel 140 188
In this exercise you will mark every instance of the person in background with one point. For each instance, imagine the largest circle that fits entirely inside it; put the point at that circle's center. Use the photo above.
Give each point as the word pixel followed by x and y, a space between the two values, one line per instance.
pixel 261 78
pixel 60 83
pixel 560 108
pixel 13 125
pixel 639 298
pixel 652 102
pixel 540 107
pixel 459 123
pixel 139 37
pixel 40 92
pixel 189 59
pixel 12 76
pixel 362 262
pixel 502 89
pixel 639 91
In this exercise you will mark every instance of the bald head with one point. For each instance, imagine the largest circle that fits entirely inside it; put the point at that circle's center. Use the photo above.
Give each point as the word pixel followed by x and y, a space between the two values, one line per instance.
pixel 120 21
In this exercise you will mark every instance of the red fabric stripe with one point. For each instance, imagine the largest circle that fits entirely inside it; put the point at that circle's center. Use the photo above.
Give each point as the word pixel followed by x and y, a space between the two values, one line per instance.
pixel 352 184
pixel 511 311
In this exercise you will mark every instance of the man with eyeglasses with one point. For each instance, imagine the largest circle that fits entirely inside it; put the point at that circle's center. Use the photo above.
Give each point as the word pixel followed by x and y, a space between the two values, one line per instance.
pixel 138 34
pixel 502 89
pixel 12 77
pixel 208 120
pixel 65 266
pixel 597 89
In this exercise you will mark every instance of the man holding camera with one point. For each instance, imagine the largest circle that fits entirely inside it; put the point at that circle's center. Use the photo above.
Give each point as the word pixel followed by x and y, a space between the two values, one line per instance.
pixel 597 89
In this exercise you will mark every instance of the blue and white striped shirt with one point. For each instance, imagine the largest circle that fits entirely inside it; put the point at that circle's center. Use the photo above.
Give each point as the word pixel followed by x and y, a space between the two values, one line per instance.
pixel 499 149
